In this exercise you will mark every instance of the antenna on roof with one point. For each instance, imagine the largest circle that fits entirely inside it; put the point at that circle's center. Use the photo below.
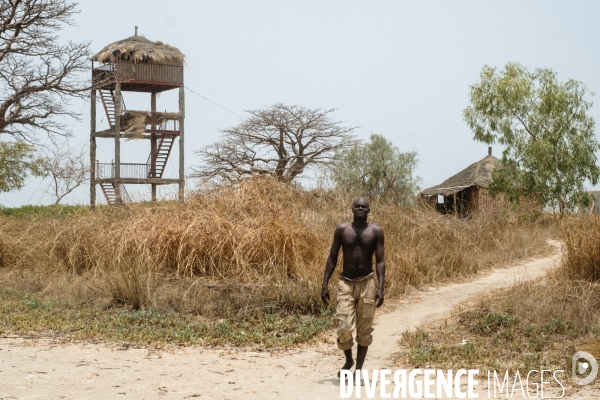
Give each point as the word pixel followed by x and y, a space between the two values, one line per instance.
pixel 489 148
pixel 136 30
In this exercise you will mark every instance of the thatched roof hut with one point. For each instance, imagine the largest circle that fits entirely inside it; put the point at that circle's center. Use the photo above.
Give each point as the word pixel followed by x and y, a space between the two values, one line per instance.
pixel 466 192
pixel 477 174
pixel 139 49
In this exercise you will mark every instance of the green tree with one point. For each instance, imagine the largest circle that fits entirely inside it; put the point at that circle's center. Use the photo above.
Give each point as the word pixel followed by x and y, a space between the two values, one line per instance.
pixel 550 145
pixel 377 169
pixel 17 162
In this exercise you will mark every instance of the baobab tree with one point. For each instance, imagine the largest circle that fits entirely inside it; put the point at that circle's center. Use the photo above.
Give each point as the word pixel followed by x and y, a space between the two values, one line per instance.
pixel 281 141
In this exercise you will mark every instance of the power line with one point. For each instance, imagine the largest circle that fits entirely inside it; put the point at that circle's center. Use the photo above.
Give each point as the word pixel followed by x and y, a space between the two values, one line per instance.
pixel 41 198
pixel 36 189
pixel 83 105
pixel 210 101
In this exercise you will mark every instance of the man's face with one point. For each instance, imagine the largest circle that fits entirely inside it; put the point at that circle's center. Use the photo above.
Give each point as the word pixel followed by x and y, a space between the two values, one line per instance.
pixel 360 208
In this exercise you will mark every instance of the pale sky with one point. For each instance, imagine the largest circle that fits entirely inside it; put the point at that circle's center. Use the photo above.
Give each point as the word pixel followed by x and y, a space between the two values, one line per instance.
pixel 401 69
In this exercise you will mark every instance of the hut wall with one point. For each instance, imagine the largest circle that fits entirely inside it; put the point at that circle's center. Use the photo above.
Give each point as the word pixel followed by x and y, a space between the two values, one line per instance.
pixel 496 206
pixel 529 205
pixel 475 194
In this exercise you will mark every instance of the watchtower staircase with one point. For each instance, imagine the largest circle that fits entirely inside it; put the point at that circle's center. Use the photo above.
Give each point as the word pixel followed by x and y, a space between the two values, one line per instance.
pixel 110 193
pixel 155 165
pixel 108 101
pixel 163 150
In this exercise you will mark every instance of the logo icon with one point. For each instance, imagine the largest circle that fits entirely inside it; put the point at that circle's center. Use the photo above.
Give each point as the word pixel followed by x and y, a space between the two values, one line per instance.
pixel 584 363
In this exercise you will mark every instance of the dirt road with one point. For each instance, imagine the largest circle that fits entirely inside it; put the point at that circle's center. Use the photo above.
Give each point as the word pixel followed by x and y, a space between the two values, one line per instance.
pixel 38 369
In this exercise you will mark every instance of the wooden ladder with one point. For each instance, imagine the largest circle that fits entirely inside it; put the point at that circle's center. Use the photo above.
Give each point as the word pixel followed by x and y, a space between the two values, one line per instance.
pixel 163 150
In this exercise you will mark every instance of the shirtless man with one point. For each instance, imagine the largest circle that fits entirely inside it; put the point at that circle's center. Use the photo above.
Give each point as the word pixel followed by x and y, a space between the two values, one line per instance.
pixel 357 292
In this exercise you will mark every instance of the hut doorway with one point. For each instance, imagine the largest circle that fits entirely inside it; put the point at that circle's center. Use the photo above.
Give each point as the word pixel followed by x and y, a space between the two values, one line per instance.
pixel 459 203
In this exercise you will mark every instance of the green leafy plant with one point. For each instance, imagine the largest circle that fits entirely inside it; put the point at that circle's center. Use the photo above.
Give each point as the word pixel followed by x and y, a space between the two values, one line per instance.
pixel 544 124
pixel 378 170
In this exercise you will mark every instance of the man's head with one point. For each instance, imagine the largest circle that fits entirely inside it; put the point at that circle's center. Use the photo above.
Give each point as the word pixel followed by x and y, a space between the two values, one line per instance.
pixel 360 208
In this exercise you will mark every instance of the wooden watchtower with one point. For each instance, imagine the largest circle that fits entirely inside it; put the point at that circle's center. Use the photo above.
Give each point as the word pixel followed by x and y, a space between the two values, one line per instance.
pixel 136 64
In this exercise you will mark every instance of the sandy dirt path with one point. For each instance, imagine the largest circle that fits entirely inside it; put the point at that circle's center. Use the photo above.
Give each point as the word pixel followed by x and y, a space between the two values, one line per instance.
pixel 39 369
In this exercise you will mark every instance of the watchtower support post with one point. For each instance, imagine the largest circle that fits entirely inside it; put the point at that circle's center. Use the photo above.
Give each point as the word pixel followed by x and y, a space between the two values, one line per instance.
pixel 153 144
pixel 181 146
pixel 93 149
pixel 117 132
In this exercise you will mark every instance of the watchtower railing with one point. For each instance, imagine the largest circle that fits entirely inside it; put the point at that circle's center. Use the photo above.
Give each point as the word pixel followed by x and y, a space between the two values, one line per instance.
pixel 167 125
pixel 128 170
pixel 138 71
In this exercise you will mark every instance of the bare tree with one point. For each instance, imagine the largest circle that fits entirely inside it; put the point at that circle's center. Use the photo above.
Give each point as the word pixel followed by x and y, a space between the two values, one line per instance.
pixel 68 169
pixel 38 75
pixel 281 141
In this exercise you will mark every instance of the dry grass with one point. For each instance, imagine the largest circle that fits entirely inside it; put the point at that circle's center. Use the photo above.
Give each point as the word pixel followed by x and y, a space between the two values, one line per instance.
pixel 582 241
pixel 529 325
pixel 136 122
pixel 241 253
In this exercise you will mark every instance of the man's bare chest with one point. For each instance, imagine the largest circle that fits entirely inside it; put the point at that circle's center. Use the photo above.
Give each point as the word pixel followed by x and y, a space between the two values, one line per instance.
pixel 358 238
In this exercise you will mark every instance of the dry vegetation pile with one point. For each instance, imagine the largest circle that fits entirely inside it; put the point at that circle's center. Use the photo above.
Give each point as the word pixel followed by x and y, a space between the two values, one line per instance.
pixel 240 253
pixel 529 326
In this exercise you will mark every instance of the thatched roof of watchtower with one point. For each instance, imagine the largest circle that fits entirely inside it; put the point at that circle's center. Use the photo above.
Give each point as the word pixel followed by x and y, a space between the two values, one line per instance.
pixel 139 49
pixel 476 174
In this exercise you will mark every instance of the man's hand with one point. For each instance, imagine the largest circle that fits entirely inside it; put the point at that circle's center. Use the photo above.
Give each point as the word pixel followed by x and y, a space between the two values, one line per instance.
pixel 325 295
pixel 378 298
